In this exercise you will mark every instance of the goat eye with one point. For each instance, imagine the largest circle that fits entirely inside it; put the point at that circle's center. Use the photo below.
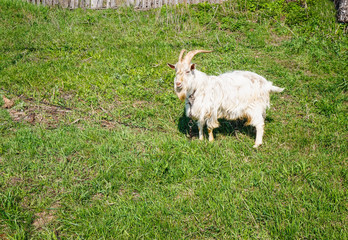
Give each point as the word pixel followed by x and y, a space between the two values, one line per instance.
pixel 188 71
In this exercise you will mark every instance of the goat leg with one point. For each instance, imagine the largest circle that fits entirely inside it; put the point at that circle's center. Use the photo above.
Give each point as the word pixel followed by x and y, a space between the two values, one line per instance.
pixel 211 135
pixel 259 135
pixel 200 129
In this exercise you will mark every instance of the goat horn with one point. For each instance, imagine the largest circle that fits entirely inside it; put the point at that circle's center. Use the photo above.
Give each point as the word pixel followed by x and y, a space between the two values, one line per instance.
pixel 181 53
pixel 191 54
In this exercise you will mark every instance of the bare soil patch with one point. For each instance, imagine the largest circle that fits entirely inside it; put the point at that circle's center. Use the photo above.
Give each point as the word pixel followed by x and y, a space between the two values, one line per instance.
pixel 46 217
pixel 36 112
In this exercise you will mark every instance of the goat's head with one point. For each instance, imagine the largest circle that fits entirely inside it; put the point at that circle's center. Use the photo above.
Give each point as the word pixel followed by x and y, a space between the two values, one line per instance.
pixel 184 71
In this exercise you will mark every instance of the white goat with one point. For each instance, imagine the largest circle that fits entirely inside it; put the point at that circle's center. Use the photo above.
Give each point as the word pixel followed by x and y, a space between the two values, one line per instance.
pixel 233 95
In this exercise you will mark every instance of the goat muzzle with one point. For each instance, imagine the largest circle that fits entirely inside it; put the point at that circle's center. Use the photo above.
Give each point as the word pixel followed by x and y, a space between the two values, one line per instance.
pixel 178 84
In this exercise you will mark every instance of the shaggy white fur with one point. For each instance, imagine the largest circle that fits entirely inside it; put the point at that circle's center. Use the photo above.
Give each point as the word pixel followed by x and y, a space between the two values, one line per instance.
pixel 232 95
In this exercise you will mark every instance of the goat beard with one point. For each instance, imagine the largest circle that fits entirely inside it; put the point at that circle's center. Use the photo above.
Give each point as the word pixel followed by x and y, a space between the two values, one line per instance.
pixel 181 93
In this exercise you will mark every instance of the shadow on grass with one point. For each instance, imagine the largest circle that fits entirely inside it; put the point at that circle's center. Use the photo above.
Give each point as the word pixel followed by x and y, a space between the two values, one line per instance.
pixel 227 127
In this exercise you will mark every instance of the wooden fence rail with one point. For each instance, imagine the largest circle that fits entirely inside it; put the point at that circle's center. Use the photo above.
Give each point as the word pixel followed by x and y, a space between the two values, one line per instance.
pixel 101 4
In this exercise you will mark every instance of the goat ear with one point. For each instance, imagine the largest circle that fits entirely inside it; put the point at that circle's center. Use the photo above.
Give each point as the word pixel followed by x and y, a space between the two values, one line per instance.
pixel 171 65
pixel 193 66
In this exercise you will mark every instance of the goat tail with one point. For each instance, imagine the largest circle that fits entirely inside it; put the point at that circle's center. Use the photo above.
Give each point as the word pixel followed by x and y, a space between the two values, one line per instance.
pixel 276 89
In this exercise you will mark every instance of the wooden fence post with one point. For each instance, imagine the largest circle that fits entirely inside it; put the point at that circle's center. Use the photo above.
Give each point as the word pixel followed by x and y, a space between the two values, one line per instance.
pixel 342 10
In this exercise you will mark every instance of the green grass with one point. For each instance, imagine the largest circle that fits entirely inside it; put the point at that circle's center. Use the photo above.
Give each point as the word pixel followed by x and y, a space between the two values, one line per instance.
pixel 96 146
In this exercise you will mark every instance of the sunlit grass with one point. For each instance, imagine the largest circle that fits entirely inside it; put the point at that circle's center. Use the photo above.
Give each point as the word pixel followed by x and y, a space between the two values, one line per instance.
pixel 96 146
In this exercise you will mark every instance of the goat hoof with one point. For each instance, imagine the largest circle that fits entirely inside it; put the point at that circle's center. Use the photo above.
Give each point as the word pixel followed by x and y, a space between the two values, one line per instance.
pixel 256 145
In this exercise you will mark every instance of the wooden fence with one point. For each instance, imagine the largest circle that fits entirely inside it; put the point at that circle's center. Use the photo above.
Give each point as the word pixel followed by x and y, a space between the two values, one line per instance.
pixel 342 10
pixel 102 4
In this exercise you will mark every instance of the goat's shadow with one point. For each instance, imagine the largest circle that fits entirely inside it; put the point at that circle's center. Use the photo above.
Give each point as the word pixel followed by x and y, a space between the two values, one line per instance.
pixel 227 127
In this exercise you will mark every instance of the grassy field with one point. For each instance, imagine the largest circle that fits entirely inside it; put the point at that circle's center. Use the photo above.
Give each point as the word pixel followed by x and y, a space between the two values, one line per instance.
pixel 95 145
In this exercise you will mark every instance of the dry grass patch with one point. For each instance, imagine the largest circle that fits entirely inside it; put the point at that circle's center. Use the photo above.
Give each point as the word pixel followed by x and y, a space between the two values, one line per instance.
pixel 45 218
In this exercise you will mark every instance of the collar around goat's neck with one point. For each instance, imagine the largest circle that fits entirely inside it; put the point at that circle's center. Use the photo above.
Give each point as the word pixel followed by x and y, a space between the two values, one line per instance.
pixel 191 98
